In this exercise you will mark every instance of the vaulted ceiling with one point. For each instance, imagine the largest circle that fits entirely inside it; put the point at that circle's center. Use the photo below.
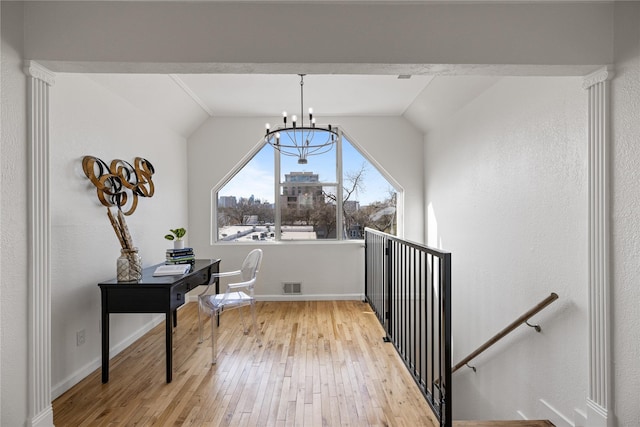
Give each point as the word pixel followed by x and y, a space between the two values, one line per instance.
pixel 184 102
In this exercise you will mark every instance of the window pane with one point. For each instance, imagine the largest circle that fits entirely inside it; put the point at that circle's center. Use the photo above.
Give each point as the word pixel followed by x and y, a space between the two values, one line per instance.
pixel 323 166
pixel 369 200
pixel 245 207
pixel 308 212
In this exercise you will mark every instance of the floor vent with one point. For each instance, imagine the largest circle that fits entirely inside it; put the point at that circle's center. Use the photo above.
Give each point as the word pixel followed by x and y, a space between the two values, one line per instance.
pixel 292 287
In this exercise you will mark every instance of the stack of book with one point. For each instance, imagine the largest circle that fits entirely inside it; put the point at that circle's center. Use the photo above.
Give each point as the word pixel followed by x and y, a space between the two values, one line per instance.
pixel 180 256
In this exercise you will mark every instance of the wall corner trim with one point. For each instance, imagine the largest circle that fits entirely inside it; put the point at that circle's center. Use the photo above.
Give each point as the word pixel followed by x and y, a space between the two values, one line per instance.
pixel 598 76
pixel 39 247
pixel 35 70
pixel 599 398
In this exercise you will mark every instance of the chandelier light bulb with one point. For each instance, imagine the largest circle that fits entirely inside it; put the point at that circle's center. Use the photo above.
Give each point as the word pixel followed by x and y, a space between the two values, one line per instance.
pixel 268 127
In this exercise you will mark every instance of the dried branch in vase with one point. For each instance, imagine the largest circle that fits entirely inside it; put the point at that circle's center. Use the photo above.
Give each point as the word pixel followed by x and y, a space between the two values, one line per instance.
pixel 121 229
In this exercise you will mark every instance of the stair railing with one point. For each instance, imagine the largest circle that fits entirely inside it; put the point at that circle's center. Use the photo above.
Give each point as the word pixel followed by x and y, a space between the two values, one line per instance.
pixel 513 325
pixel 408 286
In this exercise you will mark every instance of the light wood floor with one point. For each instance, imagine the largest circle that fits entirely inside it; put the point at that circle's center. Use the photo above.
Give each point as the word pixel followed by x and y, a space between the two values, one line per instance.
pixel 323 363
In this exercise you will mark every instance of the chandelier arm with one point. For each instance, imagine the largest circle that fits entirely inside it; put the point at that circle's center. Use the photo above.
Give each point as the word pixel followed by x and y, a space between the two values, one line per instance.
pixel 317 152
pixel 293 140
pixel 286 153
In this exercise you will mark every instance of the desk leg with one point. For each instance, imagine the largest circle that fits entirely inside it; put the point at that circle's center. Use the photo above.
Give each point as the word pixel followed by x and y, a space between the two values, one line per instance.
pixel 169 349
pixel 105 345
pixel 217 292
pixel 175 318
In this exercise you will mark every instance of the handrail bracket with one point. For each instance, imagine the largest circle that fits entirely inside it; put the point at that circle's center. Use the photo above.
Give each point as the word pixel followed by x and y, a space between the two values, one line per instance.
pixel 536 327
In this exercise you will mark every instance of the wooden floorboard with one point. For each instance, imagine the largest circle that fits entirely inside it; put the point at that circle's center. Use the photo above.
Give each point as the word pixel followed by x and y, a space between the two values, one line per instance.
pixel 323 363
pixel 504 423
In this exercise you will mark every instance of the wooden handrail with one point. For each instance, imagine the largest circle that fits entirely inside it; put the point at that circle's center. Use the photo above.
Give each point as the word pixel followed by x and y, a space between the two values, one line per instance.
pixel 497 337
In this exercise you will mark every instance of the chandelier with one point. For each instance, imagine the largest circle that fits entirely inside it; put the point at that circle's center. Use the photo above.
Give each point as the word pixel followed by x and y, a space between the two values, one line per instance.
pixel 299 139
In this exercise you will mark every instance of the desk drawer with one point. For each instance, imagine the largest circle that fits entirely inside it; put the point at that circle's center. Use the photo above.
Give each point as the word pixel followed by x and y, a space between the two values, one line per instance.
pixel 136 300
pixel 200 278
pixel 178 294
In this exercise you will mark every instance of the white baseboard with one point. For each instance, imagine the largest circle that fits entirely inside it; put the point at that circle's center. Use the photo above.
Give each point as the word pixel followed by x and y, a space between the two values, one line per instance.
pixel 303 297
pixel 550 413
pixel 43 419
pixel 597 416
pixel 580 418
pixel 96 363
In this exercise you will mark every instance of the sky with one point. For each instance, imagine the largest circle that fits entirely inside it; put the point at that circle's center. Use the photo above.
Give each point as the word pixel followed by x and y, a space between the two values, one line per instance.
pixel 257 177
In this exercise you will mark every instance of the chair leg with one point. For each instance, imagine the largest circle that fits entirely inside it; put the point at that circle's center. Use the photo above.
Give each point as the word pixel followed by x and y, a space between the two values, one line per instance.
pixel 214 336
pixel 255 324
pixel 200 321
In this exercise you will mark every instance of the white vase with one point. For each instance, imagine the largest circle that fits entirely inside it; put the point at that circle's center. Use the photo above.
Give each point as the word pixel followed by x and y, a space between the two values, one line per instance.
pixel 178 244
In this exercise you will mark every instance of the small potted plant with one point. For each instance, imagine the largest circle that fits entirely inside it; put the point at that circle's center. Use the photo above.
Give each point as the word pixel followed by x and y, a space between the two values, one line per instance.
pixel 176 236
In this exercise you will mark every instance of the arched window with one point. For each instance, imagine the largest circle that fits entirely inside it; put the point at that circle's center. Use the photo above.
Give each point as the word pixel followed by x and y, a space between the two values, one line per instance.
pixel 332 197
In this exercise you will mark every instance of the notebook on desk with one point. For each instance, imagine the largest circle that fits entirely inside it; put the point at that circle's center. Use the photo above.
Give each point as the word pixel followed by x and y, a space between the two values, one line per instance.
pixel 172 270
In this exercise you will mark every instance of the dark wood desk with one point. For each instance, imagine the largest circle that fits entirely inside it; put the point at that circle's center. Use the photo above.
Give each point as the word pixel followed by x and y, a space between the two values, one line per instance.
pixel 151 295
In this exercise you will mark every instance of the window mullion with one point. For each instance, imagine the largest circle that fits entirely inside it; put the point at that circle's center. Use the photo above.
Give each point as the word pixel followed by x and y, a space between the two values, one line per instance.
pixel 339 192
pixel 277 190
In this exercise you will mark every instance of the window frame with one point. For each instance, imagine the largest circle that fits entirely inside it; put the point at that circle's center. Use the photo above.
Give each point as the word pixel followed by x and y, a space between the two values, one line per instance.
pixel 278 184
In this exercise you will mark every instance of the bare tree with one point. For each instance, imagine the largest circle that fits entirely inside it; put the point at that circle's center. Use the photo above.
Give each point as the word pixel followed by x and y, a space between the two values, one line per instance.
pixel 352 183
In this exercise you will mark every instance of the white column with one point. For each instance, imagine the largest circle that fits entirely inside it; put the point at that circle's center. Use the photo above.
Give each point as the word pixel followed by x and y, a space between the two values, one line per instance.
pixel 599 404
pixel 40 409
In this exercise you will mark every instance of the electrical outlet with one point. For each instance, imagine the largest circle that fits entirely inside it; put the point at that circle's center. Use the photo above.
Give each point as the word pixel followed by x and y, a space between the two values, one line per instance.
pixel 80 338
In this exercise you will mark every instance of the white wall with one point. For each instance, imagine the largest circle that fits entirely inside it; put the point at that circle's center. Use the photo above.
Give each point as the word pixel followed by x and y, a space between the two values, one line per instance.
pixel 625 214
pixel 506 190
pixel 326 270
pixel 13 221
pixel 87 119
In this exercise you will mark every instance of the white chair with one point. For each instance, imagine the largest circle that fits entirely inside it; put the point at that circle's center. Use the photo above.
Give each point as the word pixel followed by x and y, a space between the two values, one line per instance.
pixel 237 295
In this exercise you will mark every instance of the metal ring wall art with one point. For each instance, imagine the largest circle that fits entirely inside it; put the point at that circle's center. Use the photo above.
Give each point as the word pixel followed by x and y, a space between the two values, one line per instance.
pixel 120 183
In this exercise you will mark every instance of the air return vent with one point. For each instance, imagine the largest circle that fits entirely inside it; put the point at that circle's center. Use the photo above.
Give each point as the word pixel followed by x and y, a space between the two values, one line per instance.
pixel 292 288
